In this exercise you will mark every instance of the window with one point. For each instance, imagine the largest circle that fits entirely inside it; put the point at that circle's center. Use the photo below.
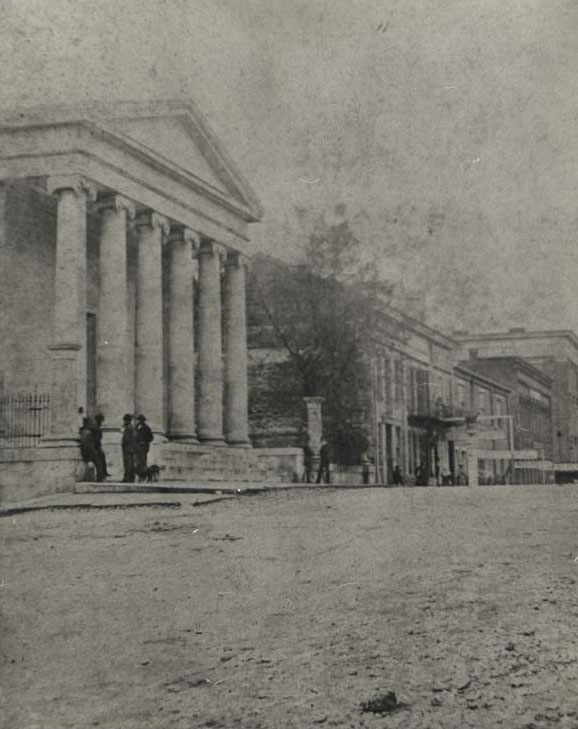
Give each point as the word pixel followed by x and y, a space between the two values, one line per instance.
pixel 499 408
pixel 483 401
pixel 398 380
pixel 461 396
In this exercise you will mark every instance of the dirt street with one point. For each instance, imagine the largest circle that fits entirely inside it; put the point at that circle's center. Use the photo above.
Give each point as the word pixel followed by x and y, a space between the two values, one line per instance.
pixel 293 608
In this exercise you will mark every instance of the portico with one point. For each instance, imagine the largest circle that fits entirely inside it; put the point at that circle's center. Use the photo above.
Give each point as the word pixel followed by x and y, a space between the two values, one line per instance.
pixel 145 219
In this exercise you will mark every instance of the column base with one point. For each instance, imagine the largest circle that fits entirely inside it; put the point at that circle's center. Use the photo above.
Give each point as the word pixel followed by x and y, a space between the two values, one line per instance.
pixel 159 437
pixel 183 438
pixel 58 441
pixel 240 443
pixel 218 441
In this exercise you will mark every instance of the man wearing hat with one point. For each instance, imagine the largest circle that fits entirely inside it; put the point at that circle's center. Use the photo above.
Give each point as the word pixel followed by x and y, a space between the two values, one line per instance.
pixel 129 448
pixel 144 437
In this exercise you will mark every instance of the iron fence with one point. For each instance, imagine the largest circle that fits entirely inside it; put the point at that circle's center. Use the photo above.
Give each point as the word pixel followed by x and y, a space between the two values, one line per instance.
pixel 24 419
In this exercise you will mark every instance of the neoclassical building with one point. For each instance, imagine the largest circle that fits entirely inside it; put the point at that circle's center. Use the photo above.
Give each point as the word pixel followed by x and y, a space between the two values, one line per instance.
pixel 123 243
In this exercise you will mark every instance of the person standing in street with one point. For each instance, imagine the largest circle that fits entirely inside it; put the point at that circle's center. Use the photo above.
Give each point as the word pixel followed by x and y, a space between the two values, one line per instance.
pixel 397 476
pixel 324 463
pixel 307 462
pixel 88 450
pixel 98 420
pixel 129 449
pixel 144 438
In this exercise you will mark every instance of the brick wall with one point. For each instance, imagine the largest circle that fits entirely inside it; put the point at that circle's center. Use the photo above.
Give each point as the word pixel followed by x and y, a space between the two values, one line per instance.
pixel 276 408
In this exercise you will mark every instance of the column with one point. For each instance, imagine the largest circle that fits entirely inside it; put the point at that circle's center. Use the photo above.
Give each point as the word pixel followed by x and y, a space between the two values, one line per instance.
pixel 181 401
pixel 383 446
pixel 68 349
pixel 394 446
pixel 210 410
pixel 115 353
pixel 405 387
pixel 235 345
pixel 472 451
pixel 149 381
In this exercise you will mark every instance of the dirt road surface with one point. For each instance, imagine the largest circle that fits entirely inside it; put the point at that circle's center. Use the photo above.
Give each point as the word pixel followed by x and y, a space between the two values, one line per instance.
pixel 292 609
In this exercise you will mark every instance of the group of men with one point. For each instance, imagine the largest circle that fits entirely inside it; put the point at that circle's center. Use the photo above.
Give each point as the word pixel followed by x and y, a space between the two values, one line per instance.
pixel 91 445
pixel 136 440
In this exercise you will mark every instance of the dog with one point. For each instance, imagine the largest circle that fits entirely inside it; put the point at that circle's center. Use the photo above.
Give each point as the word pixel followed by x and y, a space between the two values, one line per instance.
pixel 152 473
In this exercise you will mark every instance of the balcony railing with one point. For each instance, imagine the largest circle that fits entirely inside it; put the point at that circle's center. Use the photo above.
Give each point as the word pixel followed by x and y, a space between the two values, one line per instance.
pixel 429 408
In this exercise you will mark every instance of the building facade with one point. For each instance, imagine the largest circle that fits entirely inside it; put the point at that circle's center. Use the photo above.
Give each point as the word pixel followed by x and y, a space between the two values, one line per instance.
pixel 489 401
pixel 124 231
pixel 421 400
pixel 412 411
pixel 555 353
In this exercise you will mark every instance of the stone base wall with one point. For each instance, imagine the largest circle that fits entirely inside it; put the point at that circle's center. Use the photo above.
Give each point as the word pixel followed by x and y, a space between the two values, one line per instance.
pixel 350 475
pixel 183 462
pixel 32 472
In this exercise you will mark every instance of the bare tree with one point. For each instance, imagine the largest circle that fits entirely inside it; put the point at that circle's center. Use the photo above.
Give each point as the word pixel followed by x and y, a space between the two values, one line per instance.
pixel 322 311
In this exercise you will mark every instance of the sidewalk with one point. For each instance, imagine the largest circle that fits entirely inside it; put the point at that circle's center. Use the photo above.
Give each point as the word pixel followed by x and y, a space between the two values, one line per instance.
pixel 111 500
pixel 111 494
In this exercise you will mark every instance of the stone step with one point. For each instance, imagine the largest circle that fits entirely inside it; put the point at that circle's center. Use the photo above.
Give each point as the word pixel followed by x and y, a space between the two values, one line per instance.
pixel 176 487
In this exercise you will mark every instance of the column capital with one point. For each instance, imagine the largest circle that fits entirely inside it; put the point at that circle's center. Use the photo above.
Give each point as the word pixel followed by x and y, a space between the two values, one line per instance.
pixel 210 247
pixel 154 221
pixel 180 233
pixel 235 259
pixel 76 183
pixel 112 201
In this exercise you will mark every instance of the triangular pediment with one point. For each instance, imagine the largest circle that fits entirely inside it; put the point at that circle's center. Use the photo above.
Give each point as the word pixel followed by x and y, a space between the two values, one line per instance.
pixel 169 138
pixel 171 134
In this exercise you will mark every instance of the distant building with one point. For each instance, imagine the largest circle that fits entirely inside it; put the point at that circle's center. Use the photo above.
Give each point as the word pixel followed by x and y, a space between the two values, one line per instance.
pixel 421 400
pixel 489 400
pixel 412 409
pixel 530 403
pixel 412 396
pixel 555 353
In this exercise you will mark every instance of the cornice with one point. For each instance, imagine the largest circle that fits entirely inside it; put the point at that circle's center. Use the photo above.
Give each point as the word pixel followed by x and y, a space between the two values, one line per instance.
pixel 96 115
pixel 161 163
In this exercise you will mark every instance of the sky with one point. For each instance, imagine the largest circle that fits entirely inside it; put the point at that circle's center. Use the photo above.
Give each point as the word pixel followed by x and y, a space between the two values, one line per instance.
pixel 445 129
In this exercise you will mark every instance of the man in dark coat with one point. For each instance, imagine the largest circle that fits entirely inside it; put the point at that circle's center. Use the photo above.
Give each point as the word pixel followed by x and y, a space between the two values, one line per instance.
pixel 129 449
pixel 324 460
pixel 397 476
pixel 88 449
pixel 98 421
pixel 144 437
pixel 307 462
